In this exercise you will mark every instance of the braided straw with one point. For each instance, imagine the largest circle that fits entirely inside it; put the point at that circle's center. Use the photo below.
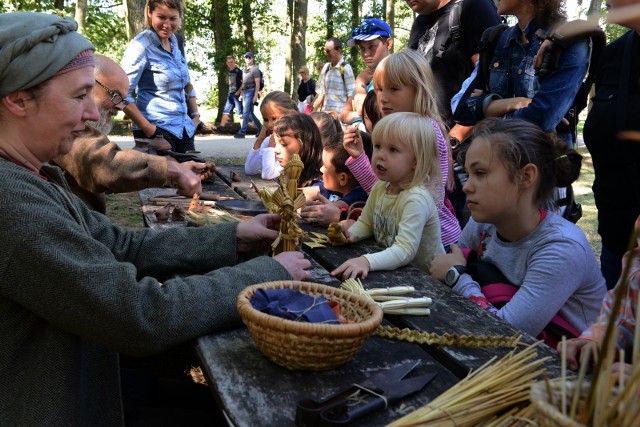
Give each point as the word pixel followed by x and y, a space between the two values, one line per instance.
pixel 447 339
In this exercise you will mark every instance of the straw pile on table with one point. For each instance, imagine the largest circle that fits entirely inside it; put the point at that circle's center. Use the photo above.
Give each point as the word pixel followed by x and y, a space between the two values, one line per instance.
pixel 482 396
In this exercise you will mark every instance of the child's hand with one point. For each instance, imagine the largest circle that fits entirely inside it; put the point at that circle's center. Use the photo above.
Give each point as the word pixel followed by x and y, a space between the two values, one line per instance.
pixel 575 348
pixel 264 132
pixel 345 226
pixel 352 142
pixel 441 263
pixel 353 268
pixel 319 210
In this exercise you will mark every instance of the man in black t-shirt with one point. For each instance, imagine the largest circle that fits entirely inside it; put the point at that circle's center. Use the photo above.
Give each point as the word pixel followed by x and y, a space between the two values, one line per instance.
pixel 233 98
pixel 448 34
pixel 451 62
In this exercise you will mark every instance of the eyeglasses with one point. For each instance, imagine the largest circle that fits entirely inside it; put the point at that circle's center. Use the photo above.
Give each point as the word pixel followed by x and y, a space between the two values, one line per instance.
pixel 366 29
pixel 116 98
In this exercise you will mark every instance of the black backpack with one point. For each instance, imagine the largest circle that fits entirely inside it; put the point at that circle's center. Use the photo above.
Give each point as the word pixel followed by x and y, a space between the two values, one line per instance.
pixel 261 79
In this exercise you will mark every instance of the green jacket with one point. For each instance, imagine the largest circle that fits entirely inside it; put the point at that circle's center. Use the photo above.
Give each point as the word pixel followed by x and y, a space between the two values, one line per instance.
pixel 75 291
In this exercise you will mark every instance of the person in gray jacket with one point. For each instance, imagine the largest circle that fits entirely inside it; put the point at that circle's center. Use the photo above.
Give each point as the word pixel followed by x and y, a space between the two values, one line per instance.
pixel 76 290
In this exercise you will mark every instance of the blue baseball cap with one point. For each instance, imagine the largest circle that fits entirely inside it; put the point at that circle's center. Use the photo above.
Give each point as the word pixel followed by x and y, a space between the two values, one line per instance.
pixel 248 54
pixel 371 28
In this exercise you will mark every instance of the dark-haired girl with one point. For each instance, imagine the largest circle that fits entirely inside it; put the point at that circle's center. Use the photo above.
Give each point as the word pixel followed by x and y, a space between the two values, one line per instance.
pixel 298 134
pixel 513 168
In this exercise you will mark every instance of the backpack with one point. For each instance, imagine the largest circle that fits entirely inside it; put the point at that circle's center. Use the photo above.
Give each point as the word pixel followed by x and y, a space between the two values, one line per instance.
pixel 326 67
pixel 456 35
pixel 561 38
pixel 261 79
pixel 499 291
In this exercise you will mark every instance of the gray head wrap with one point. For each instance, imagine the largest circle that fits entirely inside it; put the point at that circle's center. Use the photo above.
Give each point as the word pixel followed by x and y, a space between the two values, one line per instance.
pixel 34 47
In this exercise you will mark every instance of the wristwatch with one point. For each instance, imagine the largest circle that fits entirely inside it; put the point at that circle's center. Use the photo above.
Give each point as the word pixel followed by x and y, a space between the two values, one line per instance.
pixel 453 274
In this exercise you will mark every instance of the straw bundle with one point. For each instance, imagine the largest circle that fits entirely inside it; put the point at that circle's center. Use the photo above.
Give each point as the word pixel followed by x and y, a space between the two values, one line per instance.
pixel 288 200
pixel 607 400
pixel 389 300
pixel 495 387
pixel 211 216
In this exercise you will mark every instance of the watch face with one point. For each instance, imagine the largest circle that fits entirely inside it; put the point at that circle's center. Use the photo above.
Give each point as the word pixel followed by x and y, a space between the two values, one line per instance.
pixel 451 276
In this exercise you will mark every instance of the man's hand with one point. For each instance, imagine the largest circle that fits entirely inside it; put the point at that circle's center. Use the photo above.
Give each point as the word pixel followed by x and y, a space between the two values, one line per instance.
pixel 200 168
pixel 296 264
pixel 319 210
pixel 353 268
pixel 441 263
pixel 257 233
pixel 352 142
pixel 185 179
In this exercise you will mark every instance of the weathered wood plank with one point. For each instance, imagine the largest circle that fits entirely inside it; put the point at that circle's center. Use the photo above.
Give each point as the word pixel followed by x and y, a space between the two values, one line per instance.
pixel 450 312
pixel 254 391
pixel 244 187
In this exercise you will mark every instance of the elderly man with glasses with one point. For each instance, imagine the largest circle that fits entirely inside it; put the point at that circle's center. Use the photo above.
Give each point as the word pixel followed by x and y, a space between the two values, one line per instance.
pixel 336 82
pixel 96 165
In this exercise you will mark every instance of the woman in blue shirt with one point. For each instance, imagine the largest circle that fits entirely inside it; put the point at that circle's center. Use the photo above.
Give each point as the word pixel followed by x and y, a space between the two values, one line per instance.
pixel 513 88
pixel 158 73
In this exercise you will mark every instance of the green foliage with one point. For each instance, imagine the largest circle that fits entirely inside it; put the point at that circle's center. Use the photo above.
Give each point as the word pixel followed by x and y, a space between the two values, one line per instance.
pixel 27 6
pixel 614 31
pixel 106 31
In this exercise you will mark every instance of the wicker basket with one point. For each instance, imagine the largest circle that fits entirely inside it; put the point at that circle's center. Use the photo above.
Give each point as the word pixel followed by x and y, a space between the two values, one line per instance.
pixel 547 411
pixel 310 346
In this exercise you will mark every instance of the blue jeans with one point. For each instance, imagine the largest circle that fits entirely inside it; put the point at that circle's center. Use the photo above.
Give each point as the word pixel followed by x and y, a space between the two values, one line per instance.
pixel 231 101
pixel 247 108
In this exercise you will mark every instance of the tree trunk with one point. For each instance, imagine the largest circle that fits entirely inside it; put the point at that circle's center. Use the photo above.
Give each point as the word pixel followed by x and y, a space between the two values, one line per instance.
pixel 58 4
pixel 355 22
pixel 221 25
pixel 595 11
pixel 247 25
pixel 135 13
pixel 81 15
pixel 298 40
pixel 391 13
pixel 330 8
pixel 288 56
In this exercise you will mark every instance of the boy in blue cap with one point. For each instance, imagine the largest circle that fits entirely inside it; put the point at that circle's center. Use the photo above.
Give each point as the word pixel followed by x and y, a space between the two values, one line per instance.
pixel 374 38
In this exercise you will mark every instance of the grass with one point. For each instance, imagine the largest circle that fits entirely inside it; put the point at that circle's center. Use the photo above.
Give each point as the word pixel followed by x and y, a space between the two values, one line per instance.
pixel 584 195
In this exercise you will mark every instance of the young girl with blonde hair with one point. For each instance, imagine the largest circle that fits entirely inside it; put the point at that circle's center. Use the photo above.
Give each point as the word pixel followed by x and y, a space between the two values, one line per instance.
pixel 261 158
pixel 404 83
pixel 401 211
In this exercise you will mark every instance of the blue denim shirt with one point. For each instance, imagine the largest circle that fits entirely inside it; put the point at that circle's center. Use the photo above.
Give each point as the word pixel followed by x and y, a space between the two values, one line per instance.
pixel 158 78
pixel 511 60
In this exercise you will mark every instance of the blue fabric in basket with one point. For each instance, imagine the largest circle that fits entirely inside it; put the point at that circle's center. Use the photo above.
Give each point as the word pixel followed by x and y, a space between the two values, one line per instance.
pixel 294 305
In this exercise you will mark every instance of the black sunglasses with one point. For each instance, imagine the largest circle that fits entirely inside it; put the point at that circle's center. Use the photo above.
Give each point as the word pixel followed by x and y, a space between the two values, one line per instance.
pixel 116 98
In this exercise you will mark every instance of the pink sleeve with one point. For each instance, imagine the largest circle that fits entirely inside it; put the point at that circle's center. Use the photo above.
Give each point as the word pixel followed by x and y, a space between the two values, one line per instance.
pixel 443 153
pixel 361 169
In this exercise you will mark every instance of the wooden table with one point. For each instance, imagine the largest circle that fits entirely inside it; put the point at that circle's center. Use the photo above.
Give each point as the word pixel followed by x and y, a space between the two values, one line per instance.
pixel 253 391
